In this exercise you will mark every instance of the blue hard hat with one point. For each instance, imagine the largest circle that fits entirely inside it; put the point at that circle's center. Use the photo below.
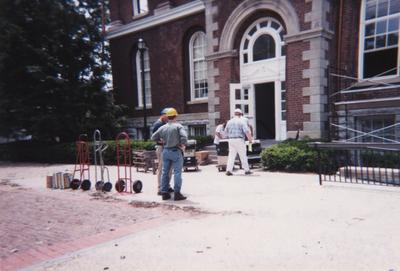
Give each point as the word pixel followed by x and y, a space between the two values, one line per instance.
pixel 165 110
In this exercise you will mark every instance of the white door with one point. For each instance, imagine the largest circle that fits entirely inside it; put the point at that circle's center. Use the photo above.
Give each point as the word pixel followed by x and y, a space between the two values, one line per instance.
pixel 243 97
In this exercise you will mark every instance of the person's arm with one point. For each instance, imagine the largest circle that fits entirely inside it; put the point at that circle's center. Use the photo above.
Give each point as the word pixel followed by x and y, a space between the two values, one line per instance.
pixel 218 132
pixel 247 132
pixel 156 136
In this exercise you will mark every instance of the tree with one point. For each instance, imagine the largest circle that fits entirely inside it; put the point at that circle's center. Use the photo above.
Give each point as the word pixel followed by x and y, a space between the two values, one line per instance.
pixel 52 69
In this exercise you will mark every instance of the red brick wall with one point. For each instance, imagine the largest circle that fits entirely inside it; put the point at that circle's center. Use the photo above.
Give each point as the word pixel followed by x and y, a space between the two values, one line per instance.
pixel 294 85
pixel 167 62
pixel 227 73
pixel 350 37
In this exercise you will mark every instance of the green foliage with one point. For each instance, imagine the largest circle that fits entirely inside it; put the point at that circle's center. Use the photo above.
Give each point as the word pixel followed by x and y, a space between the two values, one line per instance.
pixel 52 67
pixel 290 155
pixel 31 151
pixel 203 141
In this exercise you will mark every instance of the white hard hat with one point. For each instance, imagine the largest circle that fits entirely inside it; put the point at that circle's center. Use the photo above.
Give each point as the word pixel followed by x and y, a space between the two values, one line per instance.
pixel 238 111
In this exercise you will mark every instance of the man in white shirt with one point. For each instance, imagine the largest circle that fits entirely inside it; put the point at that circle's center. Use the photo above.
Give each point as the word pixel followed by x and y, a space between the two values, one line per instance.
pixel 237 130
pixel 219 133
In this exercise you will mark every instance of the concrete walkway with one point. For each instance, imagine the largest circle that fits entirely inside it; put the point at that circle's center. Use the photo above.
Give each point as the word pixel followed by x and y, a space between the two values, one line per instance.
pixel 267 221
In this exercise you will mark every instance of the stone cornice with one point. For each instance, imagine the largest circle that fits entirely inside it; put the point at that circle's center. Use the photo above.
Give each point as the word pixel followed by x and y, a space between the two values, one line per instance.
pixel 219 55
pixel 309 34
pixel 157 19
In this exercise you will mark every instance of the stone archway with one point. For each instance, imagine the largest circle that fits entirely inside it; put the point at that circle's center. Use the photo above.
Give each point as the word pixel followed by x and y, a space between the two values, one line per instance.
pixel 282 7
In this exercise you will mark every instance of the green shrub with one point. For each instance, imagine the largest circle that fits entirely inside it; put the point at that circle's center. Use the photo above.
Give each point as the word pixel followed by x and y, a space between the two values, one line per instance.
pixel 31 151
pixel 290 155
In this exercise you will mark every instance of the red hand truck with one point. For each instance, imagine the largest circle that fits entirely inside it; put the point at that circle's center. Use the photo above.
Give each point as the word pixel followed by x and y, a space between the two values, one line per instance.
pixel 81 164
pixel 124 166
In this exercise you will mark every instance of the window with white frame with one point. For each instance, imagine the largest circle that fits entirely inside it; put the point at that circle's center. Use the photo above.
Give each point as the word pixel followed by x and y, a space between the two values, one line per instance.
pixel 379 54
pixel 140 7
pixel 283 100
pixel 147 81
pixel 263 40
pixel 197 130
pixel 198 66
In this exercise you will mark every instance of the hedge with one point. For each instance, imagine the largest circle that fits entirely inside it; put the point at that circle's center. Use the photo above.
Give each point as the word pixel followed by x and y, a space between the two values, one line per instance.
pixel 290 155
pixel 30 151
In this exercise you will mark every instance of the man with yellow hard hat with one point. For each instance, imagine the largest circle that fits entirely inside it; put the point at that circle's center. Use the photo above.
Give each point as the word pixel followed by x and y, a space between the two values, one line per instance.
pixel 175 138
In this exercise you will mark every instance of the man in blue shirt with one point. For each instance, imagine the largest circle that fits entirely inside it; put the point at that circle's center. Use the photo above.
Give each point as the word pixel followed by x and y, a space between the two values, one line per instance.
pixel 174 138
pixel 159 149
pixel 237 130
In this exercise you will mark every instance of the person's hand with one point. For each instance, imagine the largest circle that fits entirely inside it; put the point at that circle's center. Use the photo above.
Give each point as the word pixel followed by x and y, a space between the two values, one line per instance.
pixel 182 147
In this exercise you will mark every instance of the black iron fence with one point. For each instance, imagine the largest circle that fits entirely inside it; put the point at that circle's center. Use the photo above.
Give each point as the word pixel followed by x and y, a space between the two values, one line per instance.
pixel 364 163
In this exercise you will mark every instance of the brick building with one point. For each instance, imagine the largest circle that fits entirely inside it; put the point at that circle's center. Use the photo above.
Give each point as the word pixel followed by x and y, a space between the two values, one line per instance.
pixel 293 66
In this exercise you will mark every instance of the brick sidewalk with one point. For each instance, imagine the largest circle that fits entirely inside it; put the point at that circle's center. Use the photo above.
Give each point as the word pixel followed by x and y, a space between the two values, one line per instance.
pixel 40 225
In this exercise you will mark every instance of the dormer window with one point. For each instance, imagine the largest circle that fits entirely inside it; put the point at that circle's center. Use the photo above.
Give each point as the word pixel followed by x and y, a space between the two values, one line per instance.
pixel 140 7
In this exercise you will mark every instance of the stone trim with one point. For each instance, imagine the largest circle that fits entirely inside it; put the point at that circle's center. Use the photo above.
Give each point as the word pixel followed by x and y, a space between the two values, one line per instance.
pixel 219 55
pixel 319 37
pixel 184 119
pixel 157 19
pixel 211 12
pixel 283 7
pixel 309 34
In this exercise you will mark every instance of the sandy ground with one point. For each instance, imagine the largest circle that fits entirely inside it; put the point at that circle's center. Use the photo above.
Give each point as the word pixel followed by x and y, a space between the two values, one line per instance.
pixel 267 221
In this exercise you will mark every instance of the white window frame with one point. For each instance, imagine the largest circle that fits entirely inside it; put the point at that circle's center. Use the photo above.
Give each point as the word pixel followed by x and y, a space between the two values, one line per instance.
pixel 139 79
pixel 136 4
pixel 261 30
pixel 192 60
pixel 361 52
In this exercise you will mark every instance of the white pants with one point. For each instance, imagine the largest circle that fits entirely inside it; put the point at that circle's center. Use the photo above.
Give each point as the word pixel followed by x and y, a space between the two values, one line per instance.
pixel 237 146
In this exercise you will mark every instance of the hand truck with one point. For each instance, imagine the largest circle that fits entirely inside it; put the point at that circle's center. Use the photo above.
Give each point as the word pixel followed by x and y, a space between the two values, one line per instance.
pixel 99 147
pixel 81 165
pixel 124 166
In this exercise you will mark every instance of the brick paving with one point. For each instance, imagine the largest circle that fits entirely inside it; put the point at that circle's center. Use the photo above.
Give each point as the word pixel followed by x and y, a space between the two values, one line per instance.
pixel 40 225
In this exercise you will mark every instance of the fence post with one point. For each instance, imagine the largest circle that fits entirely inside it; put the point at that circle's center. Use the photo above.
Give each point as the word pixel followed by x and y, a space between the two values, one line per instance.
pixel 319 166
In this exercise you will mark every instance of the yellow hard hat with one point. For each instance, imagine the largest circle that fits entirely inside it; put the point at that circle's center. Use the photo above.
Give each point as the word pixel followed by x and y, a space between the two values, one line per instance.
pixel 171 112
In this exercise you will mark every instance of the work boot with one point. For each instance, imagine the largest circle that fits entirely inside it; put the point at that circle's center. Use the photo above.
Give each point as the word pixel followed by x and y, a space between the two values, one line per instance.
pixel 170 190
pixel 228 173
pixel 159 193
pixel 166 196
pixel 179 196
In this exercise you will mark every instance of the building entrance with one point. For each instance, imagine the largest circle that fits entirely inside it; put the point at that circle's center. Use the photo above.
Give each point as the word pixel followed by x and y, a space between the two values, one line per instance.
pixel 265 110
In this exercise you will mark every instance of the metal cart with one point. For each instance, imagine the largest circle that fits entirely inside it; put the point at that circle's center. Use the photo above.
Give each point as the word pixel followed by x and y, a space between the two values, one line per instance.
pixel 189 156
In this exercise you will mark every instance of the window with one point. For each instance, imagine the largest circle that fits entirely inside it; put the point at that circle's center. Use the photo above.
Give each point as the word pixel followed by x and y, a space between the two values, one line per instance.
pixel 198 66
pixel 147 80
pixel 140 7
pixel 380 36
pixel 283 100
pixel 382 125
pixel 263 40
pixel 197 130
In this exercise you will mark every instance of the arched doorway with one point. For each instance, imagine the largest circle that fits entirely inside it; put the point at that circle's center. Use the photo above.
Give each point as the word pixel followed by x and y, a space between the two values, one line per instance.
pixel 261 92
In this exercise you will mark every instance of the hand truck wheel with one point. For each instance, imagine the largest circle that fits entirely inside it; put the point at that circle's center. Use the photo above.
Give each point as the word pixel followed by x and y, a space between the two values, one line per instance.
pixel 85 185
pixel 107 187
pixel 120 186
pixel 137 186
pixel 75 183
pixel 99 185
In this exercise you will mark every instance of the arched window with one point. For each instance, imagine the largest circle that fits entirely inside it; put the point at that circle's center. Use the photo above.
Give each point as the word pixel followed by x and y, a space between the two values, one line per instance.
pixel 262 40
pixel 379 36
pixel 264 47
pixel 147 80
pixel 198 66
